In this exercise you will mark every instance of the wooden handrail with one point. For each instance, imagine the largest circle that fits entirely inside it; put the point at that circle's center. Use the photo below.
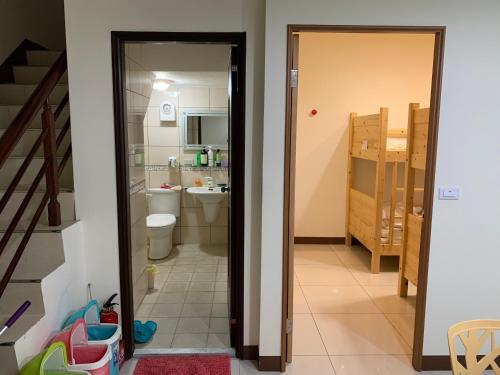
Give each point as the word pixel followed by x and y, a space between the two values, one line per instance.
pixel 50 169
pixel 61 106
pixel 20 250
pixel 20 173
pixel 30 109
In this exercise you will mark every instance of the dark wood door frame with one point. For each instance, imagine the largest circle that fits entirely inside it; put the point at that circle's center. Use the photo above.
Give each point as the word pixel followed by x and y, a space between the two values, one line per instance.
pixel 238 42
pixel 439 32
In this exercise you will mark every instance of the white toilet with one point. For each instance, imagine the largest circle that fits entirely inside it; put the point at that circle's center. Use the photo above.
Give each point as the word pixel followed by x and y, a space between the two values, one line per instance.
pixel 164 206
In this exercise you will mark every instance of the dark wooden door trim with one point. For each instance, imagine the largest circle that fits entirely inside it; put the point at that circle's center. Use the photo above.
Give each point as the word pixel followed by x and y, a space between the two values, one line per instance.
pixel 237 40
pixel 439 32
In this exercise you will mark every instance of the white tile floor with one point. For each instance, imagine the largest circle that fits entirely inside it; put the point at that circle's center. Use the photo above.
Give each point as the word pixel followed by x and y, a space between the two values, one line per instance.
pixel 347 321
pixel 190 302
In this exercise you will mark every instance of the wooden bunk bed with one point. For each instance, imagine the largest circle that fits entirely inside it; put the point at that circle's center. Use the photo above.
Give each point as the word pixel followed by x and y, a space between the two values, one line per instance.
pixel 418 125
pixel 369 139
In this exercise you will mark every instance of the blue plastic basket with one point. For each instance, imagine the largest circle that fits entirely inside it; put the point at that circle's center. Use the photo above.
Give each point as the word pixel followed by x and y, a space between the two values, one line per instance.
pixel 100 333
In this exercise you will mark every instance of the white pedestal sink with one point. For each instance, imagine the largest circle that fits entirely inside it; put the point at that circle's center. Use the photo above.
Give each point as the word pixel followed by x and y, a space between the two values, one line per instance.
pixel 210 199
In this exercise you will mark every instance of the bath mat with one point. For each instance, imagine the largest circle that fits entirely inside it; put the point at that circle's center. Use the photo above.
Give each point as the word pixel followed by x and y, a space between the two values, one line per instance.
pixel 184 365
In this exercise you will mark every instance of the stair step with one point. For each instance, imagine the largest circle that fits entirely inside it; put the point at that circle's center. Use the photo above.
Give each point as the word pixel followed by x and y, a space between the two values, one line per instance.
pixel 42 58
pixel 14 296
pixel 25 74
pixel 27 141
pixel 9 112
pixel 12 165
pixel 18 94
pixel 43 254
pixel 66 200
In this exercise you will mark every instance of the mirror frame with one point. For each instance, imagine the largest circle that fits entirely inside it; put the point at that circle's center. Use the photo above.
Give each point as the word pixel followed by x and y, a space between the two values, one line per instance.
pixel 184 113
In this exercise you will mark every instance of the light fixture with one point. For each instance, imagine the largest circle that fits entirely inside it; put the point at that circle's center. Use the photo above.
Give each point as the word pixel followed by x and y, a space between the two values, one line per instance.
pixel 161 84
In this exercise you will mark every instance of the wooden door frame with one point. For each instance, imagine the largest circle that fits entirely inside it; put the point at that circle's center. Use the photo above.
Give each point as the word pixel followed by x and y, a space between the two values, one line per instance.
pixel 437 72
pixel 238 41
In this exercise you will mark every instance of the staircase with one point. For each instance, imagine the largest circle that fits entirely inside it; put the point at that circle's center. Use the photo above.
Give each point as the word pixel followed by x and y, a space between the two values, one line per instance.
pixel 40 240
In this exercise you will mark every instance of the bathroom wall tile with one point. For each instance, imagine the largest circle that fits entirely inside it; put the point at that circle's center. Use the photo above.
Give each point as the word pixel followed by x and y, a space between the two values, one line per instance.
pixel 153 116
pixel 188 200
pixel 194 97
pixel 220 177
pixel 138 235
pixel 177 235
pixel 138 206
pixel 199 235
pixel 224 202
pixel 193 217
pixel 158 97
pixel 163 136
pixel 188 177
pixel 218 98
pixel 221 218
pixel 218 235
pixel 139 262
pixel 156 178
pixel 160 155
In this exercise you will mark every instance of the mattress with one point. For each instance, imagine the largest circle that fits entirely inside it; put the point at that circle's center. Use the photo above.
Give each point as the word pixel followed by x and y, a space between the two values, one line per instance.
pixel 396 144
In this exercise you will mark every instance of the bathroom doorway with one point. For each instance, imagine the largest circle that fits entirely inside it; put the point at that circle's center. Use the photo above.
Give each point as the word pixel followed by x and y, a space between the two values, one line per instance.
pixel 179 138
pixel 362 105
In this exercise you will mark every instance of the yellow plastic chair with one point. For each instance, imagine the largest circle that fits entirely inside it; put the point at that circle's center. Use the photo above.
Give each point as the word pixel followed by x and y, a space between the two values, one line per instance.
pixel 474 335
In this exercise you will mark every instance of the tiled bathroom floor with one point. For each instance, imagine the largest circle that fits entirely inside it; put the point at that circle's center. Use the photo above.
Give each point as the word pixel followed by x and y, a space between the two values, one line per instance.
pixel 190 300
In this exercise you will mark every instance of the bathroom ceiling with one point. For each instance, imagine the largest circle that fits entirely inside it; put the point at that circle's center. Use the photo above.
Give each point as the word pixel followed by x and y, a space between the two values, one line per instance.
pixel 179 78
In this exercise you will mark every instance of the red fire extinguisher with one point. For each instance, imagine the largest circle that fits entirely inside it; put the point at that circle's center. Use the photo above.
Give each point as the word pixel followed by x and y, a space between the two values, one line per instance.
pixel 108 313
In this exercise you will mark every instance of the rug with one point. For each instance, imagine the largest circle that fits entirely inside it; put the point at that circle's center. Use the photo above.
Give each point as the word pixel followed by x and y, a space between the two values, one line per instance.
pixel 184 365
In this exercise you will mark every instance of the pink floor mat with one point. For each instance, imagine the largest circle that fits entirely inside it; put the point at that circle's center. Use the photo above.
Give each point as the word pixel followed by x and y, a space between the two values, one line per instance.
pixel 184 365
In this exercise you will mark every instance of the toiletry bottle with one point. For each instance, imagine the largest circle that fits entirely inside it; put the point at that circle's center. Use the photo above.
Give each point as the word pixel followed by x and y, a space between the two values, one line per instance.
pixel 224 160
pixel 210 155
pixel 197 160
pixel 204 157
pixel 218 159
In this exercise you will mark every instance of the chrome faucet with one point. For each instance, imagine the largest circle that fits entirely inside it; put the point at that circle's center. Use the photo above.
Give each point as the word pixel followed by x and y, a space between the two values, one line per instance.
pixel 210 182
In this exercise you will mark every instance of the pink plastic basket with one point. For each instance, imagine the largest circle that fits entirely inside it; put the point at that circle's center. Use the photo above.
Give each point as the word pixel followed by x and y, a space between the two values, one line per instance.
pixel 81 356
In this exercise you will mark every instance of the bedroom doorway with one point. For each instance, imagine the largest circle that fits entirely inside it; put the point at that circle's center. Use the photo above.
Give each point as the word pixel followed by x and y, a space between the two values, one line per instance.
pixel 371 184
pixel 180 137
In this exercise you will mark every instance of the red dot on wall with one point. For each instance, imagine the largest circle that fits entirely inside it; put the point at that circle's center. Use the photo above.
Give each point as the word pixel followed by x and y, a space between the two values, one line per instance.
pixel 314 112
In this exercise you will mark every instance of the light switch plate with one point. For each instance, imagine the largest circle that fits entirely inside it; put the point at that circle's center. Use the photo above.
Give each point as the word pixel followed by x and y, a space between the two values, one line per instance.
pixel 449 193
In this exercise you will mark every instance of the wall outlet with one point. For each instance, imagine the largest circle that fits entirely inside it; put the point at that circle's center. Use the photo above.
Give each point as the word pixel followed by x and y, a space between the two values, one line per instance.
pixel 449 193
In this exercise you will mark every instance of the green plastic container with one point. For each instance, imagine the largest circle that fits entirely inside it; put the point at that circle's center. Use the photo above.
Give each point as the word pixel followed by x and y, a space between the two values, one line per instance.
pixel 52 361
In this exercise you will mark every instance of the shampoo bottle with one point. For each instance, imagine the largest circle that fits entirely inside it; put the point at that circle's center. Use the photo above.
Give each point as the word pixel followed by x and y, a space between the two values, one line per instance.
pixel 218 158
pixel 204 157
pixel 210 155
pixel 197 160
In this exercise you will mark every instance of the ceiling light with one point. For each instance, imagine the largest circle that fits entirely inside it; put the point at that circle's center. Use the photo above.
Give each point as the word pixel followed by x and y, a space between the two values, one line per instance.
pixel 161 84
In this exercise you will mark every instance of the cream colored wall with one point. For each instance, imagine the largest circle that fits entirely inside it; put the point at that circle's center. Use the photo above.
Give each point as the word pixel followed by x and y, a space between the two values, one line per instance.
pixel 163 139
pixel 339 74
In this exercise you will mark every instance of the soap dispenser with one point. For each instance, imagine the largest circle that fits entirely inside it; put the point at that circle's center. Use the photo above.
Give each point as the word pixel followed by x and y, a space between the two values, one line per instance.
pixel 210 155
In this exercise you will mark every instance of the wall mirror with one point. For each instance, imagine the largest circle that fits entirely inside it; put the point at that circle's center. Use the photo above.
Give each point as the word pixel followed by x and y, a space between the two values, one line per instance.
pixel 203 128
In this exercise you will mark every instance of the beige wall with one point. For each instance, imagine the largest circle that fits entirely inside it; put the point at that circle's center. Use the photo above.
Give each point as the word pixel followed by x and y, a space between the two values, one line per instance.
pixel 339 74
pixel 163 139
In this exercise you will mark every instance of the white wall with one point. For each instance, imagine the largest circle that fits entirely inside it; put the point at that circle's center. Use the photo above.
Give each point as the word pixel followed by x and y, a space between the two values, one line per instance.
pixel 39 21
pixel 464 253
pixel 88 32
pixel 64 291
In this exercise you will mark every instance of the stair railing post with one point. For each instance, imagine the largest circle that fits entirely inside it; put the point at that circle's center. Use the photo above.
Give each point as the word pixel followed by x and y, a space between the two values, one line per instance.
pixel 50 154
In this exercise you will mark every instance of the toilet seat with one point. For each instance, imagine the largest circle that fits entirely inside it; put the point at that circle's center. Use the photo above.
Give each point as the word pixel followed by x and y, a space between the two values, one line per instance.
pixel 160 220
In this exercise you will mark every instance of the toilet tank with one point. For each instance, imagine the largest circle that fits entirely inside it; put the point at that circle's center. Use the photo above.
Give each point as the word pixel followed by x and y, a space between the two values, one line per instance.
pixel 164 201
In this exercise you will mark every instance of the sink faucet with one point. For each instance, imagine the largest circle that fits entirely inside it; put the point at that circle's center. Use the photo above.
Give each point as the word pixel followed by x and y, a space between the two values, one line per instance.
pixel 210 182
